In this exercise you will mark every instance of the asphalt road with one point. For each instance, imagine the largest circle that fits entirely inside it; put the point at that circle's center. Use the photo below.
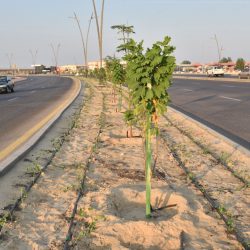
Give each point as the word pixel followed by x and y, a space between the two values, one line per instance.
pixel 33 99
pixel 223 106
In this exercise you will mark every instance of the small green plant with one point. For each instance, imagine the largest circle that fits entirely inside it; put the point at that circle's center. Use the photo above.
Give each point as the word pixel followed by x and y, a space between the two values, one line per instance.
pixel 23 194
pixel 116 74
pixel 90 222
pixel 224 157
pixel 82 213
pixel 191 176
pixel 71 187
pixel 130 119
pixel 148 78
pixel 3 220
pixel 230 225
pixel 222 209
pixel 230 221
pixel 34 170
pixel 102 75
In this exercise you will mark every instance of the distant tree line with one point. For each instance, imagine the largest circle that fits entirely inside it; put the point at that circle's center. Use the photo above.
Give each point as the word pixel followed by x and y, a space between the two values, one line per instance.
pixel 240 62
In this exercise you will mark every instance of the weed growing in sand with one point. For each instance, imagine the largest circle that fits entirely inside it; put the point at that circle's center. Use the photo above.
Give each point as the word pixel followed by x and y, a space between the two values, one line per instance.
pixel 71 187
pixel 89 221
pixel 23 194
pixel 224 158
pixel 230 222
pixel 230 225
pixel 34 170
pixel 3 221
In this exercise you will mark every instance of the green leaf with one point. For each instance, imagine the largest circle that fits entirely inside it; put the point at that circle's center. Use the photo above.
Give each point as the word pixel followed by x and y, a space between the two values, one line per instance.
pixel 149 94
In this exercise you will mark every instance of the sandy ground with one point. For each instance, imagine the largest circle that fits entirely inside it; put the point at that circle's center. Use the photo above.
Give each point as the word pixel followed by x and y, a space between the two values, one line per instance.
pixel 42 222
pixel 222 185
pixel 111 214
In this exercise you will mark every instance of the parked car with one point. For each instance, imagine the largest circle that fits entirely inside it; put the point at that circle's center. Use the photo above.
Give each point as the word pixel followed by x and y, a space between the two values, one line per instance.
pixel 6 84
pixel 244 74
pixel 215 71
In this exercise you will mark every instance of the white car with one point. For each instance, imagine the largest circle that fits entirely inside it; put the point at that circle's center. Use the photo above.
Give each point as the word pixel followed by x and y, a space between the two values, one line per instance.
pixel 244 74
pixel 215 71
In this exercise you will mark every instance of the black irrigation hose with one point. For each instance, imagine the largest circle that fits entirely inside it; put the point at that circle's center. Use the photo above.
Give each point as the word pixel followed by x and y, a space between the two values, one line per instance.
pixel 82 186
pixel 61 139
pixel 214 155
pixel 212 202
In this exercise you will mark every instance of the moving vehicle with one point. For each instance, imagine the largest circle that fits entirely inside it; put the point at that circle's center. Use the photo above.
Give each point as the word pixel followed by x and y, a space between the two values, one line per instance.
pixel 6 84
pixel 244 74
pixel 215 71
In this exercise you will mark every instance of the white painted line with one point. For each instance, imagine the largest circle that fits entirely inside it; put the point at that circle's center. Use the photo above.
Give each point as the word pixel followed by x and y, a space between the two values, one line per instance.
pixel 229 86
pixel 188 89
pixel 33 91
pixel 12 99
pixel 229 98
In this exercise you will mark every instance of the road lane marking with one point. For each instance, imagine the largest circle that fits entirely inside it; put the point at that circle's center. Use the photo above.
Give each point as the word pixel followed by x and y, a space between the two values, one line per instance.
pixel 188 90
pixel 28 134
pixel 12 99
pixel 33 91
pixel 229 98
pixel 229 86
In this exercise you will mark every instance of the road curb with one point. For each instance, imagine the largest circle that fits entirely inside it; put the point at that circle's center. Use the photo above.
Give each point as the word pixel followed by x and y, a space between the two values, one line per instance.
pixel 35 134
pixel 235 145
pixel 235 80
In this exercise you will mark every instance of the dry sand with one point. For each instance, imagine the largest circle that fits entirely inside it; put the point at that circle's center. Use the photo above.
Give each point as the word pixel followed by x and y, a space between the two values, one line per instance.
pixel 111 214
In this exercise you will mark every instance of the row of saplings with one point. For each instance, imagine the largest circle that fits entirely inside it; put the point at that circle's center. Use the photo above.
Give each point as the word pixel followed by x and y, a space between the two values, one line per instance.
pixel 147 75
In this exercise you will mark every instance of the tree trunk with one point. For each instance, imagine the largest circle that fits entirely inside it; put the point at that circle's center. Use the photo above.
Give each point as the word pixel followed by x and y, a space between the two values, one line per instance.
pixel 120 99
pixel 148 166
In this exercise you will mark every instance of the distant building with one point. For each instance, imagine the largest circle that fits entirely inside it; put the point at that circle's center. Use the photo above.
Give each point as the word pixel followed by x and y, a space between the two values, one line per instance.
pixel 17 71
pixel 96 65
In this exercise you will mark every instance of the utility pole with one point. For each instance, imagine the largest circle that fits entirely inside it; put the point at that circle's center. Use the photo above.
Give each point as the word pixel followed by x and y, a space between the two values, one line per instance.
pixel 99 29
pixel 55 53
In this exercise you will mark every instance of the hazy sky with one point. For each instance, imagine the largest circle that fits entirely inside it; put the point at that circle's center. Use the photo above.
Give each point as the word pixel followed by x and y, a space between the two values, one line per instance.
pixel 30 24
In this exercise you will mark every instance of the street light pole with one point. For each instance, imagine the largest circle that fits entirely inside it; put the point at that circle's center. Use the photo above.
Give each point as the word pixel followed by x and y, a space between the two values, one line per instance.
pixel 34 57
pixel 84 43
pixel 218 47
pixel 99 29
pixel 10 58
pixel 87 39
pixel 55 53
pixel 82 38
